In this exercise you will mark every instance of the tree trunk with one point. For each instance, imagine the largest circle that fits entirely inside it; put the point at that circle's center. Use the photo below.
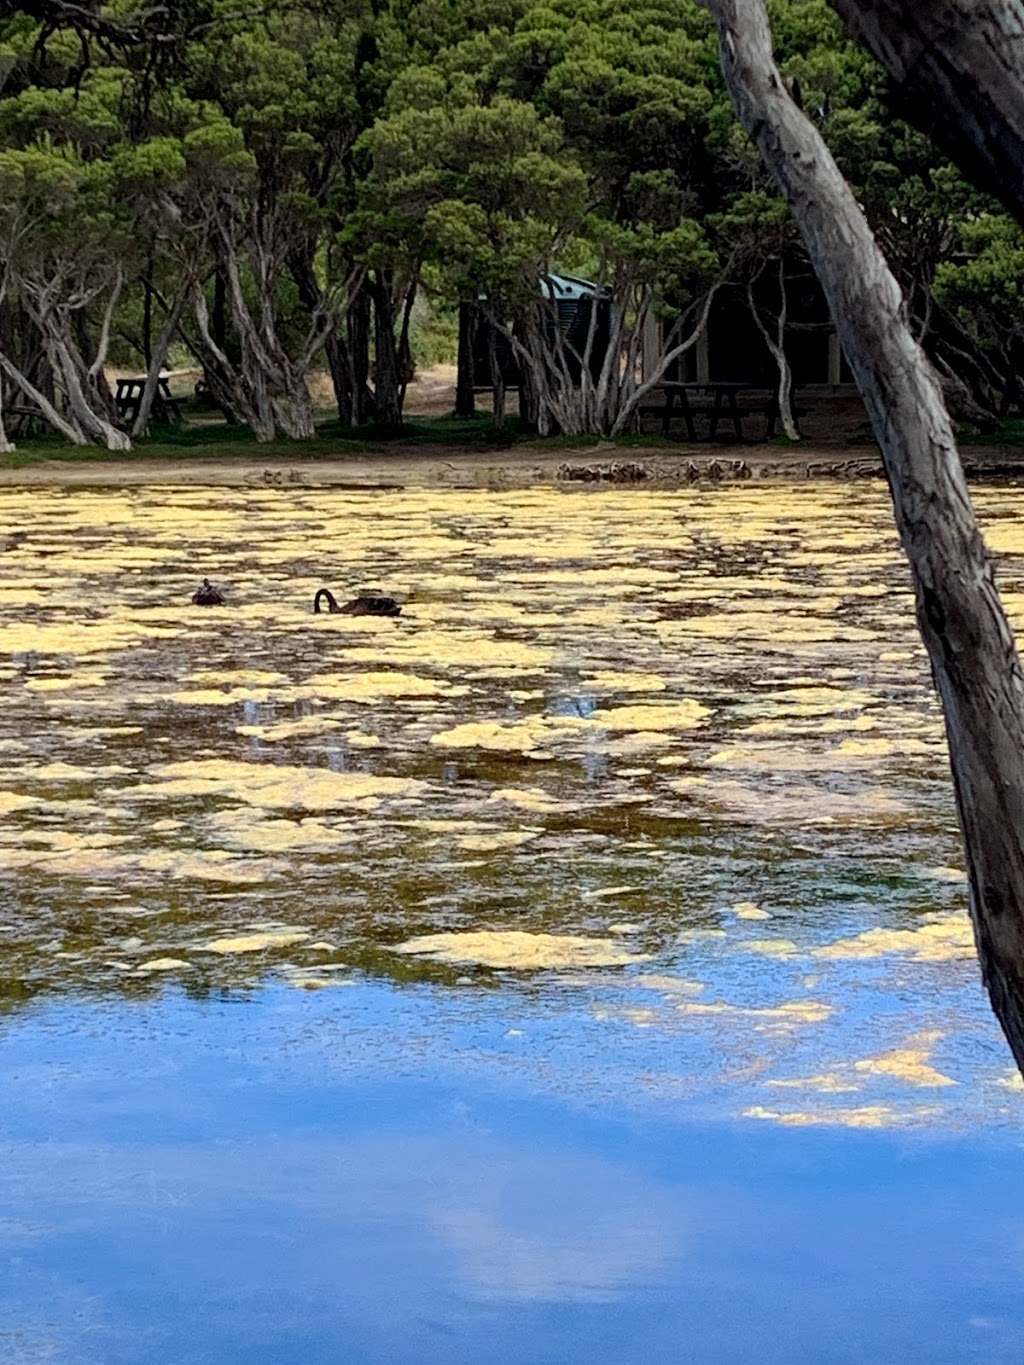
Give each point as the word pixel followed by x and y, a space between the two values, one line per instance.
pixel 219 317
pixel 93 423
pixel 962 621
pixel 497 378
pixel 340 367
pixel 147 312
pixel 777 347
pixel 254 382
pixel 6 446
pixel 1013 399
pixel 293 408
pixel 406 365
pixel 530 405
pixel 84 392
pixel 956 73
pixel 227 388
pixel 987 378
pixel 359 355
pixel 465 403
pixel 335 351
pixel 101 398
pixel 216 375
pixel 157 360
pixel 69 430
pixel 387 374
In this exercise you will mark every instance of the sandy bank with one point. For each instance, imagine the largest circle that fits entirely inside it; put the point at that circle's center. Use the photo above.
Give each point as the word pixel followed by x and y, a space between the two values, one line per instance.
pixel 419 466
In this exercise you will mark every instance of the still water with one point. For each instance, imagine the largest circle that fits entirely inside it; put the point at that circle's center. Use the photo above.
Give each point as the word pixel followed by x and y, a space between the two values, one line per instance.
pixel 573 969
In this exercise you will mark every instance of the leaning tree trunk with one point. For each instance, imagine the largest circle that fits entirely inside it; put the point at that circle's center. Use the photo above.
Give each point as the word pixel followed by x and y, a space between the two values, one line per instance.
pixel 157 359
pixel 274 386
pixel 246 394
pixel 70 430
pixel 956 72
pixel 87 398
pixel 65 363
pixel 961 618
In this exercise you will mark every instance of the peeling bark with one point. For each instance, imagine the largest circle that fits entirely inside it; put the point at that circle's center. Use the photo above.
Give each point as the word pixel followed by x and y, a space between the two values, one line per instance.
pixel 962 621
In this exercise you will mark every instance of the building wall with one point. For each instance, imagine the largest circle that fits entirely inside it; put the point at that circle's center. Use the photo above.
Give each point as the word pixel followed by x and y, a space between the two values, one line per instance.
pixel 732 348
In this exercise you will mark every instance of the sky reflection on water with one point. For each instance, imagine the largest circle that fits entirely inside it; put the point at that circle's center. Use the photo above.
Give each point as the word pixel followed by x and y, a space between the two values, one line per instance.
pixel 574 969
pixel 249 1182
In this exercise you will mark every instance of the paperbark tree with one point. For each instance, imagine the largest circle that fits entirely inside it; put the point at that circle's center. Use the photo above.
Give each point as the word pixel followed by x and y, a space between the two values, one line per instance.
pixel 62 251
pixel 962 621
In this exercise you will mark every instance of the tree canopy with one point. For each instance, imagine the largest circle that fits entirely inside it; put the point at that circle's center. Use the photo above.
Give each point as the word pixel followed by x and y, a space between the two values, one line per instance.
pixel 273 188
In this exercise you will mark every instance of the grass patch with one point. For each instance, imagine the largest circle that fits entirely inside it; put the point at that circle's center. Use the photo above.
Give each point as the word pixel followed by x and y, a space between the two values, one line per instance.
pixel 1010 432
pixel 223 441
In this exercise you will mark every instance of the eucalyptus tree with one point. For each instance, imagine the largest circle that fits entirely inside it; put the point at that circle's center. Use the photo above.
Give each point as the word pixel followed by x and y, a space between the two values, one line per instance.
pixel 534 147
pixel 759 230
pixel 66 244
pixel 982 287
pixel 632 90
pixel 484 190
pixel 286 115
pixel 962 621
pixel 915 200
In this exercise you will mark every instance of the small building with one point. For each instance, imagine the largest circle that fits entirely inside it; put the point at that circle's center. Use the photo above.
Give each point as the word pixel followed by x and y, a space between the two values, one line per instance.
pixel 574 300
pixel 732 349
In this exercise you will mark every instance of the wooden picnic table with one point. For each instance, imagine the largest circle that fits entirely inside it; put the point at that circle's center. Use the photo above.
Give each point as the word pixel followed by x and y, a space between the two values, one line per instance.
pixel 715 399
pixel 128 399
pixel 26 416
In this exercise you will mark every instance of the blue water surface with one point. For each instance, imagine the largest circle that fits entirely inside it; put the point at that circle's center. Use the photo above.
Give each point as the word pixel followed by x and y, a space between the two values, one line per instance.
pixel 216 1181
pixel 574 972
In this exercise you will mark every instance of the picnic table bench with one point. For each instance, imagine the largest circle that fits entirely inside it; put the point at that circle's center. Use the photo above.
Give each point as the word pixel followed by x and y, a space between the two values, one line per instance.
pixel 26 416
pixel 128 400
pixel 718 400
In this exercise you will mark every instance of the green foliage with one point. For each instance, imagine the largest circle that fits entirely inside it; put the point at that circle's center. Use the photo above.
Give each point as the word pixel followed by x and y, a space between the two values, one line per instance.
pixel 476 143
pixel 984 285
pixel 434 336
pixel 991 267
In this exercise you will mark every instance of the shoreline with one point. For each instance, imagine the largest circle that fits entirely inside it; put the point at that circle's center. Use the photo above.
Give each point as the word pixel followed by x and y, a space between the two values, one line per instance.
pixel 596 466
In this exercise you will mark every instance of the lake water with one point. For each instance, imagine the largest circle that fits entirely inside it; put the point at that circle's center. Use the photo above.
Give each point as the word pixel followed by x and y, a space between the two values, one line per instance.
pixel 575 969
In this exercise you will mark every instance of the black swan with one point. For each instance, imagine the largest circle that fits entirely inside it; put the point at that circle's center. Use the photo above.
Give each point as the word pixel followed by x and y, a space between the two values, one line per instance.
pixel 368 603
pixel 207 595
